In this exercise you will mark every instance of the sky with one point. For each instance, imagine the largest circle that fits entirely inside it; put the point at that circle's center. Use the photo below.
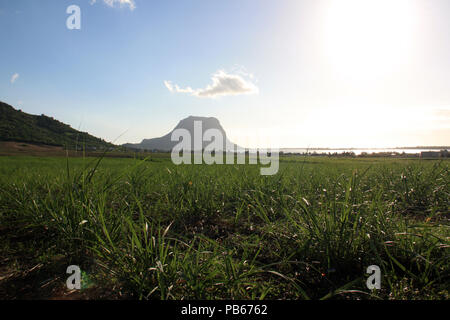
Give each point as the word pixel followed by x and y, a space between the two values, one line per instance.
pixel 276 73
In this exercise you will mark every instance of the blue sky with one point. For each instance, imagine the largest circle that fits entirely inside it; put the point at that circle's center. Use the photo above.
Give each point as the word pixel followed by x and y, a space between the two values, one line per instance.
pixel 324 74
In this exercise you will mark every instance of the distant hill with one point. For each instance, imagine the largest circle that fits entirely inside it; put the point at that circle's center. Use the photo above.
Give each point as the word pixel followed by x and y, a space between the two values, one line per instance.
pixel 165 144
pixel 16 125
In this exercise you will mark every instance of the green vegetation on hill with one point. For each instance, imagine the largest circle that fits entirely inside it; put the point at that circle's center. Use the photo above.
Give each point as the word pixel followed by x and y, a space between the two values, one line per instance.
pixel 16 125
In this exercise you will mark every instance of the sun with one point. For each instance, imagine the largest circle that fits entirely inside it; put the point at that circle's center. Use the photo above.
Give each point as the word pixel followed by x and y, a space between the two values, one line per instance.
pixel 368 39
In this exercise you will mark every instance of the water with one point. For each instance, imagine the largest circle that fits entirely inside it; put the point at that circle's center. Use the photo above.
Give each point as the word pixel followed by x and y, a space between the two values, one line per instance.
pixel 356 151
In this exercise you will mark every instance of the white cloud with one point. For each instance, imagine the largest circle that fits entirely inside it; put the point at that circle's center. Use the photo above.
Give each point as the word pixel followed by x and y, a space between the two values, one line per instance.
pixel 223 84
pixel 121 3
pixel 14 77
pixel 176 88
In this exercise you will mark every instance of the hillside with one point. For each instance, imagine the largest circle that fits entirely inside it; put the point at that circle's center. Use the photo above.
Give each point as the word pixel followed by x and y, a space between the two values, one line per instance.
pixel 165 143
pixel 16 125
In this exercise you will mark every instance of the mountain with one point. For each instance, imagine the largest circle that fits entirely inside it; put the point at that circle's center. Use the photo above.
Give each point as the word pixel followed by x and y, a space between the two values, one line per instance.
pixel 16 125
pixel 166 144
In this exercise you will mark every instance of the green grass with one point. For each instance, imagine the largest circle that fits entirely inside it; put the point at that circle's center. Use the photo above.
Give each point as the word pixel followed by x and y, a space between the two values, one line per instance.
pixel 153 230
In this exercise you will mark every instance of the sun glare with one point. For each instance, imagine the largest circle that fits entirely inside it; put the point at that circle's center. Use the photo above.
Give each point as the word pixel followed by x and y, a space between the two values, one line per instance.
pixel 368 39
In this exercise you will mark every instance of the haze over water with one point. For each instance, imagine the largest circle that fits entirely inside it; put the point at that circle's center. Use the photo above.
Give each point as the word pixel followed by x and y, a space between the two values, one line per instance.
pixel 357 151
